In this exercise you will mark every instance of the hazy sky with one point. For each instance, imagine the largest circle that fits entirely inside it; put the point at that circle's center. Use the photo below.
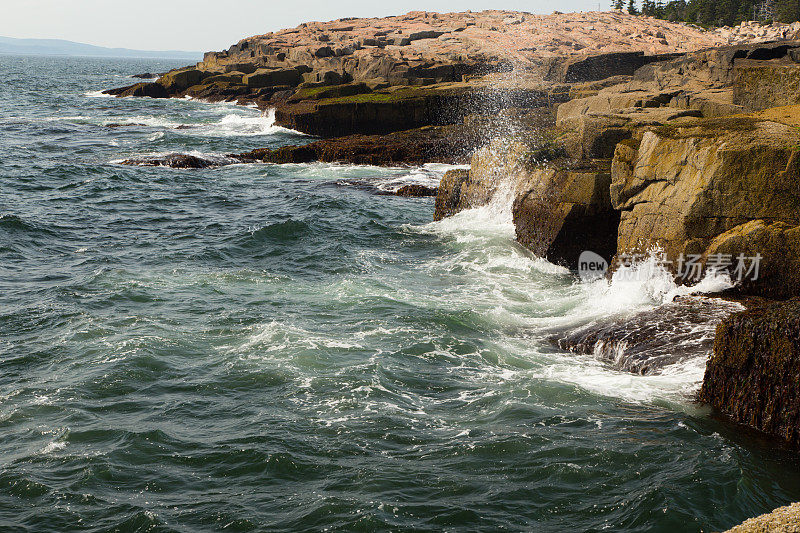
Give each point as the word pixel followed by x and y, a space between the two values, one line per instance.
pixel 204 25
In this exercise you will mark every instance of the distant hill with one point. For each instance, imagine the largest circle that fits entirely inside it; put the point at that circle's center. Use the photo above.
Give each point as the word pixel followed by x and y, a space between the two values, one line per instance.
pixel 60 47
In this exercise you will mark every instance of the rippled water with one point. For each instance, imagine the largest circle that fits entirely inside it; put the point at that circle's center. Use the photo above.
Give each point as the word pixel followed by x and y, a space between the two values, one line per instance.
pixel 263 347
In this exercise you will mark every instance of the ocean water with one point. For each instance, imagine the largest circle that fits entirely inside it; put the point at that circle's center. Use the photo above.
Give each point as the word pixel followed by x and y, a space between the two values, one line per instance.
pixel 281 348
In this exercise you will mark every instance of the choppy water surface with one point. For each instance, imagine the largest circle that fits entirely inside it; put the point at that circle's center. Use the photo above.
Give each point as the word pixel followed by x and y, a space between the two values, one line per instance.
pixel 264 347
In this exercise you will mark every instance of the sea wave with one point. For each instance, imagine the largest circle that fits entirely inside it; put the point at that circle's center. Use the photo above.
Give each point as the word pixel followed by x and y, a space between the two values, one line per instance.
pixel 390 180
pixel 229 125
pixel 238 125
pixel 14 223
pixel 97 94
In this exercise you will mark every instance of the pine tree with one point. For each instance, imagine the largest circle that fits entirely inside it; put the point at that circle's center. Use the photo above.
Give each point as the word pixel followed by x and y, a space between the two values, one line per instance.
pixel 787 10
pixel 632 7
pixel 723 12
pixel 618 4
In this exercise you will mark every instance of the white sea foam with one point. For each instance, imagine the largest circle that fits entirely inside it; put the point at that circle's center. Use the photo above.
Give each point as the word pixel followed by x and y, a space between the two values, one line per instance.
pixel 500 273
pixel 676 383
pixel 53 446
pixel 278 338
pixel 643 285
pixel 97 94
pixel 625 294
pixel 427 177
pixel 236 124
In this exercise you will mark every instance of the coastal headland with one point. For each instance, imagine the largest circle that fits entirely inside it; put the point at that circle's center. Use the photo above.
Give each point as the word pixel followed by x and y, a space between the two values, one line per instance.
pixel 625 136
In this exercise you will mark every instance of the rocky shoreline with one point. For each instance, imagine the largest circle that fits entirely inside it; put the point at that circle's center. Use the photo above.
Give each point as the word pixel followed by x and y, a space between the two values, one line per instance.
pixel 616 134
pixel 697 158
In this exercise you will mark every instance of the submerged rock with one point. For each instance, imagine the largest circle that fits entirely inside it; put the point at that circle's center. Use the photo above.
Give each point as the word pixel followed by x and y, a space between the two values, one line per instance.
pixel 125 125
pixel 754 375
pixel 178 161
pixel 646 342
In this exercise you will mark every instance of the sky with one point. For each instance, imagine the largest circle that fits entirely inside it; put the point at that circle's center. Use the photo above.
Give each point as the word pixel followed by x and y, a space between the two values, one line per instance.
pixel 203 25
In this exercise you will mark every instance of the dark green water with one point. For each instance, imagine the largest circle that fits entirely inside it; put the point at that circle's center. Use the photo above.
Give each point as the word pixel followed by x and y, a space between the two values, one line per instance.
pixel 264 348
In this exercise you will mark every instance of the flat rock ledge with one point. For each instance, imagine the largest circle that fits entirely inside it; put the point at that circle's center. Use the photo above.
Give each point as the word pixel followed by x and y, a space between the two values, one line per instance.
pixel 431 144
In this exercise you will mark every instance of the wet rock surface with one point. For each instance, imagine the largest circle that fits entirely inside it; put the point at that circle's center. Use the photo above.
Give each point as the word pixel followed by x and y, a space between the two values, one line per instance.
pixel 454 196
pixel 151 90
pixel 647 342
pixel 753 376
pixel 695 189
pixel 564 211
pixel 178 161
pixel 416 191
pixel 447 144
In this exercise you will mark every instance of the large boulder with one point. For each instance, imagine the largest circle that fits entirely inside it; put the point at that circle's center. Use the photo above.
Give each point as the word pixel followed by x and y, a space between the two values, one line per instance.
pixel 244 68
pixel 622 104
pixel 600 66
pixel 449 197
pixel 680 187
pixel 273 77
pixel 176 81
pixel 231 77
pixel 416 191
pixel 778 246
pixel 761 84
pixel 502 161
pixel 565 213
pixel 754 374
pixel 713 67
pixel 151 90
